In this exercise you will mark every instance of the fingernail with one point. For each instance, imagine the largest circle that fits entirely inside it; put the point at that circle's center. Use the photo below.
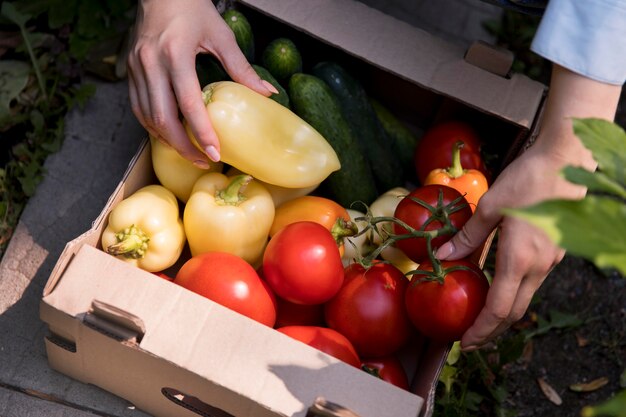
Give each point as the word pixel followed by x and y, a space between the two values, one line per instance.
pixel 469 348
pixel 201 164
pixel 269 86
pixel 445 251
pixel 212 152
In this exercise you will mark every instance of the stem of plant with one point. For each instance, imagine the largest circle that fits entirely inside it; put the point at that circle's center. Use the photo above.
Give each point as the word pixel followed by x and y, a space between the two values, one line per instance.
pixel 33 58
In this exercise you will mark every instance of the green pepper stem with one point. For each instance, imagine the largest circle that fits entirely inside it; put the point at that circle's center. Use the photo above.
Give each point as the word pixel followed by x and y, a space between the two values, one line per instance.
pixel 456 169
pixel 132 242
pixel 342 229
pixel 233 194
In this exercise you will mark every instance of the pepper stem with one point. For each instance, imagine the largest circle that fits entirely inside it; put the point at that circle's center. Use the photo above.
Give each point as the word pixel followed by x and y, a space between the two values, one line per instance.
pixel 233 194
pixel 343 228
pixel 132 242
pixel 456 169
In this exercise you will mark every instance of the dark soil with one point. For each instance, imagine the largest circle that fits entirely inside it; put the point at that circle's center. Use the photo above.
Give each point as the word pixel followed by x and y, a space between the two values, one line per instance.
pixel 593 350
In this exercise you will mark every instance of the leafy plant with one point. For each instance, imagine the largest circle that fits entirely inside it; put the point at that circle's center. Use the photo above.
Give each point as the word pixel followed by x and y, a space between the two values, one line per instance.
pixel 49 46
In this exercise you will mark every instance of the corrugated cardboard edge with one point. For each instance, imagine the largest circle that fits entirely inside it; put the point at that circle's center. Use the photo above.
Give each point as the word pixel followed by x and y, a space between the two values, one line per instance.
pixel 92 236
pixel 345 24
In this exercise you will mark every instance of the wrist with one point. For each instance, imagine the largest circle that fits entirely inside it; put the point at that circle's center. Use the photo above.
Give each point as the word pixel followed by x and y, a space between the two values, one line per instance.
pixel 573 96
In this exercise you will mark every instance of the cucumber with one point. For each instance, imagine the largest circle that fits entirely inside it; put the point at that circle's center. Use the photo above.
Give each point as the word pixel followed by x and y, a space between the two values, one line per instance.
pixel 281 97
pixel 240 26
pixel 314 102
pixel 362 119
pixel 403 141
pixel 282 58
pixel 209 70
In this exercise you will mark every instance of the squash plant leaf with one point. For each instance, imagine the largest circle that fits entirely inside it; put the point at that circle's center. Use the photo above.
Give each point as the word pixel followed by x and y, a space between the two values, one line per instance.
pixel 604 139
pixel 594 181
pixel 593 227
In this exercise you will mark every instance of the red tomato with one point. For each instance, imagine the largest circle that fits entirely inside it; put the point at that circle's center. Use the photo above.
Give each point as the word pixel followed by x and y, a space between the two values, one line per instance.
pixel 230 281
pixel 302 264
pixel 444 312
pixel 326 340
pixel 434 150
pixel 291 314
pixel 417 216
pixel 163 275
pixel 369 309
pixel 387 368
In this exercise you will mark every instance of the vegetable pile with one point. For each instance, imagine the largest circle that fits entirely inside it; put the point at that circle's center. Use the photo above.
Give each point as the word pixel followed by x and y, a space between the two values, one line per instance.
pixel 311 223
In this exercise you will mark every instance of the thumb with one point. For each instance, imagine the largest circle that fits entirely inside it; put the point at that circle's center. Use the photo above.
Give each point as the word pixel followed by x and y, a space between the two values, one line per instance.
pixel 470 237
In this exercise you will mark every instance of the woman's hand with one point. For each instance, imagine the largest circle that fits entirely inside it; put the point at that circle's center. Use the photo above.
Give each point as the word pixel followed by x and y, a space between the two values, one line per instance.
pixel 162 72
pixel 525 255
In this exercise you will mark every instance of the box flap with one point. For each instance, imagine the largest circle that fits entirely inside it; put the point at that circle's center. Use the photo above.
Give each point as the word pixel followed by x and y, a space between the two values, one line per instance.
pixel 409 53
pixel 221 345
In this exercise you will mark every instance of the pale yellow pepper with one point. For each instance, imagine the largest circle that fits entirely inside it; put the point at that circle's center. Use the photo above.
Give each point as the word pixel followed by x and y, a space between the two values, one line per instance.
pixel 262 138
pixel 385 206
pixel 174 172
pixel 228 214
pixel 279 194
pixel 145 229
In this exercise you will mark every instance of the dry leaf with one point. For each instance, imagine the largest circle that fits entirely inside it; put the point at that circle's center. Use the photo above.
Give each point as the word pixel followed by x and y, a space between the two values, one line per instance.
pixel 527 353
pixel 582 342
pixel 549 392
pixel 590 386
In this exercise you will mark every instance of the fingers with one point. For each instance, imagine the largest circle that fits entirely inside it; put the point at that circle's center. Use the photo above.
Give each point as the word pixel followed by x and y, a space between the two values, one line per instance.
pixel 240 70
pixel 189 97
pixel 523 260
pixel 472 235
pixel 155 106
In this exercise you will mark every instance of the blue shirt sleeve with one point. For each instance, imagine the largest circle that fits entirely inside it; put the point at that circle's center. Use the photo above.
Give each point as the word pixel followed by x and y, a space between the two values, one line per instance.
pixel 587 37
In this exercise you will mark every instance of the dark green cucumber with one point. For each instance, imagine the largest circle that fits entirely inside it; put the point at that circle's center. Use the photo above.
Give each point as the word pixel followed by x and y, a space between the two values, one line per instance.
pixel 209 70
pixel 402 139
pixel 314 102
pixel 282 58
pixel 281 97
pixel 240 26
pixel 362 119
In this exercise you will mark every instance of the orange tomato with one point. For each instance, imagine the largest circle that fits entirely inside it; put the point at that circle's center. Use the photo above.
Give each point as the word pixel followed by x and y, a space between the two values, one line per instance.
pixel 472 183
pixel 316 209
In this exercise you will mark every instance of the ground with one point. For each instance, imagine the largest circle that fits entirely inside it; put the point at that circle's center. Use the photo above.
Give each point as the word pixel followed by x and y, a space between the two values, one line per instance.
pixel 595 349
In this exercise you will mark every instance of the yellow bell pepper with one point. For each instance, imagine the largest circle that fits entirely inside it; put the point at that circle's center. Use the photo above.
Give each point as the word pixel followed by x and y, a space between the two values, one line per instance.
pixel 228 214
pixel 279 194
pixel 176 173
pixel 145 229
pixel 264 139
pixel 385 205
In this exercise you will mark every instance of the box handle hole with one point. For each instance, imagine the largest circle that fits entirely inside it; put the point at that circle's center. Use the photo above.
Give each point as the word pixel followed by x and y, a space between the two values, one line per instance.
pixel 193 404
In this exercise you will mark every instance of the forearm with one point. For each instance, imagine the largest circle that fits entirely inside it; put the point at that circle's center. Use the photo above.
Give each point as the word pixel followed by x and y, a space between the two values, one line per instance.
pixel 573 96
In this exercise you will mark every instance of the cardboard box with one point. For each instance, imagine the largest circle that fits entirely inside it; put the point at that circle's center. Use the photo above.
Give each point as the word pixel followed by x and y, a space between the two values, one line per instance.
pixel 174 353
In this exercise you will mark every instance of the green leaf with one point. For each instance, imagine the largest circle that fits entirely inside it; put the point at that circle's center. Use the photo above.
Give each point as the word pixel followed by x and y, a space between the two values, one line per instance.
pixel 622 379
pixel 447 377
pixel 63 12
pixel 593 228
pixel 614 407
pixel 472 400
pixel 13 79
pixel 558 320
pixel 454 354
pixel 594 181
pixel 10 12
pixel 604 139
